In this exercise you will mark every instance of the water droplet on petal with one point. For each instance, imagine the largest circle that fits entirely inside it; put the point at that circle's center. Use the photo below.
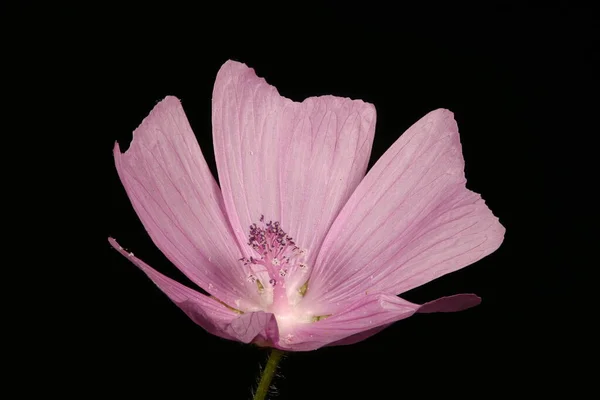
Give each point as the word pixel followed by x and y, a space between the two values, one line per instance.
pixel 272 282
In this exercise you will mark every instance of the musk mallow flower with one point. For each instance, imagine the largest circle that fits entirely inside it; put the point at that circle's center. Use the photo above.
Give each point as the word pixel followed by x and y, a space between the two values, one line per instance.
pixel 298 249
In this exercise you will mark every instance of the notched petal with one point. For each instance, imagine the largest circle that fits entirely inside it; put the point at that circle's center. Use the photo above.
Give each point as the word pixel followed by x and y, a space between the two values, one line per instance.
pixel 296 163
pixel 178 201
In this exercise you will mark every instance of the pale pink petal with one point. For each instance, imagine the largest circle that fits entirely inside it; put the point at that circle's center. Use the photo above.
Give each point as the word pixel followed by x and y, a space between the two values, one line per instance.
pixel 366 313
pixel 359 337
pixel 205 311
pixel 250 325
pixel 457 302
pixel 296 163
pixel 411 220
pixel 180 204
pixel 269 335
pixel 454 303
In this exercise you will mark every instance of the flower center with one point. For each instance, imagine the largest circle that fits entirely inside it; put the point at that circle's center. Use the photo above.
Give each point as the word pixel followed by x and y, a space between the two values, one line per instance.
pixel 279 267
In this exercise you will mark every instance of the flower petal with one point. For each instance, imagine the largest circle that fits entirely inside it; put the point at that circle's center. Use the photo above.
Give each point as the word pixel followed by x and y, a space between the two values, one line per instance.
pixel 180 204
pixel 359 337
pixel 210 314
pixel 457 302
pixel 411 220
pixel 366 314
pixel 296 163
pixel 454 303
pixel 248 326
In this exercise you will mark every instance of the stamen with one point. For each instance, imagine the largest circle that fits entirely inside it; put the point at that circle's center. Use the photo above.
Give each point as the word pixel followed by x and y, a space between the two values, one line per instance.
pixel 274 247
pixel 277 259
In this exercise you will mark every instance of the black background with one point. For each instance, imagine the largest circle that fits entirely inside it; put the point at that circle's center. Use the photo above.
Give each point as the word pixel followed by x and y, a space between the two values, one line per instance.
pixel 517 80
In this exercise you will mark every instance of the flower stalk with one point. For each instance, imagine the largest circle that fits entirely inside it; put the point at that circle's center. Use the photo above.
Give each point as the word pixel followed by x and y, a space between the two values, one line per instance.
pixel 268 373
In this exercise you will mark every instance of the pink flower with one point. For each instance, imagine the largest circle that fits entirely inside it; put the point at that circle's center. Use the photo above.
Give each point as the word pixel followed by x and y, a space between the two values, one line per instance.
pixel 299 249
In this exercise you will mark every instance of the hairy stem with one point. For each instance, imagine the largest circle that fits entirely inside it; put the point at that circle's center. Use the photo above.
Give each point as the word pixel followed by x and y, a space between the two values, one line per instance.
pixel 267 375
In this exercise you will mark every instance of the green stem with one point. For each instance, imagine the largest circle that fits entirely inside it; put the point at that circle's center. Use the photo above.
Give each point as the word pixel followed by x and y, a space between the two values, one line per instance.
pixel 267 375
